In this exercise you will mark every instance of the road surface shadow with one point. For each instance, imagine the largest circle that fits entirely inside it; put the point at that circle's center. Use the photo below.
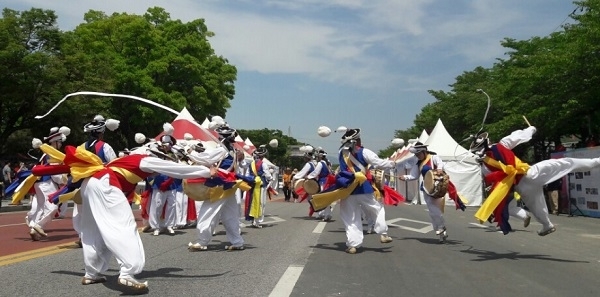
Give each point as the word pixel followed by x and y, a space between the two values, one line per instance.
pixel 483 255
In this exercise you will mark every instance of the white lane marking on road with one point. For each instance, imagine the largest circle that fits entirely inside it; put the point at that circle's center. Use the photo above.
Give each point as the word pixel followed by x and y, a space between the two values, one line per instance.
pixel 10 225
pixel 426 225
pixel 480 225
pixel 491 228
pixel 320 227
pixel 273 219
pixel 288 280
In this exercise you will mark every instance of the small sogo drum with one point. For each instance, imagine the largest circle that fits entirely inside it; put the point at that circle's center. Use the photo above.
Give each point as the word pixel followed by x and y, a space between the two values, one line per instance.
pixel 378 178
pixel 310 186
pixel 435 183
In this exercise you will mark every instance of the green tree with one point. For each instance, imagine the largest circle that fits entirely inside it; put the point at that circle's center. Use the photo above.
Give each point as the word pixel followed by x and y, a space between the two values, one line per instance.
pixel 279 155
pixel 154 57
pixel 30 72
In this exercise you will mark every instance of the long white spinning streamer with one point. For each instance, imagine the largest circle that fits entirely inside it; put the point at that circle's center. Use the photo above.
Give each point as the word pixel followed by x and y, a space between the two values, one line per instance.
pixel 107 95
pixel 122 96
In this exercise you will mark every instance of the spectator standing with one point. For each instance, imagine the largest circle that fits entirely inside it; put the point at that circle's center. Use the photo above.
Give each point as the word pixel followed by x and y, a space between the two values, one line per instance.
pixel 287 184
pixel 553 195
pixel 6 176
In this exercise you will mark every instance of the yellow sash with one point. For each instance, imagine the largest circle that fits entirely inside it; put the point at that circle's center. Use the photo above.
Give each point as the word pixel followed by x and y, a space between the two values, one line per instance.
pixel 255 208
pixel 90 164
pixel 137 199
pixel 74 196
pixel 24 188
pixel 322 200
pixel 54 156
pixel 502 189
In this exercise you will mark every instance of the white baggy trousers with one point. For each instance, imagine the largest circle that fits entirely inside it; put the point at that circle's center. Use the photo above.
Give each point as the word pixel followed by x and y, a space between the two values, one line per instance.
pixel 228 210
pixel 42 211
pixel 351 211
pixel 108 228
pixel 531 189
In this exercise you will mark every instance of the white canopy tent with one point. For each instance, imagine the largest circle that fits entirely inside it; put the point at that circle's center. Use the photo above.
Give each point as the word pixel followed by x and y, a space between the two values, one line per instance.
pixel 424 136
pixel 460 164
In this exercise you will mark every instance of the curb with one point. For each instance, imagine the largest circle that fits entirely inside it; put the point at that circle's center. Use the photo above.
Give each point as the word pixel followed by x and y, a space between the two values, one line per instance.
pixel 26 206
pixel 10 208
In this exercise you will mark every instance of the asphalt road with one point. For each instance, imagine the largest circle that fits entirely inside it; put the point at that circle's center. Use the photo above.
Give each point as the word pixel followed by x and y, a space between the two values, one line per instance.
pixel 296 256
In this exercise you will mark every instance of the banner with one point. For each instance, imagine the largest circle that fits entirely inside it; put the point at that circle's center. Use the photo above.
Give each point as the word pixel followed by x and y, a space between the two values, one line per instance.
pixel 583 186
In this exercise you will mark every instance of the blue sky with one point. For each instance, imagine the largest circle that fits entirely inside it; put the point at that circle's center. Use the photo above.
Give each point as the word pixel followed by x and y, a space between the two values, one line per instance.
pixel 358 63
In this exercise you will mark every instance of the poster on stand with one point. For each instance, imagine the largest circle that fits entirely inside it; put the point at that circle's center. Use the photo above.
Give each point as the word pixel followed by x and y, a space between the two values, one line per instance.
pixel 582 187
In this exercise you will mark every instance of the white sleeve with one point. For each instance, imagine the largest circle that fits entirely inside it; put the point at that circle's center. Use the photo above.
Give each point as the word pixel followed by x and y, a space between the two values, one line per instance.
pixel 413 174
pixel 437 160
pixel 209 158
pixel 316 172
pixel 302 172
pixel 58 179
pixel 109 153
pixel 172 169
pixel 517 137
pixel 267 173
pixel 374 160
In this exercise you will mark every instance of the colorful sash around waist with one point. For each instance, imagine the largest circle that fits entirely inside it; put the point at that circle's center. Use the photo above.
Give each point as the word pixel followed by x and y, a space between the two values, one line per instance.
pixel 508 177
pixel 344 186
pixel 223 185
pixel 24 188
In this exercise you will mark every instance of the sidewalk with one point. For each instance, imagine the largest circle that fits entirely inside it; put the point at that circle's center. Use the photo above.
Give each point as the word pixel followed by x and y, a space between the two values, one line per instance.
pixel 5 207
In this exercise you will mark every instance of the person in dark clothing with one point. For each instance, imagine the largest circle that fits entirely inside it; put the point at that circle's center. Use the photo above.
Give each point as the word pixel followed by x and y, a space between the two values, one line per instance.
pixel 553 190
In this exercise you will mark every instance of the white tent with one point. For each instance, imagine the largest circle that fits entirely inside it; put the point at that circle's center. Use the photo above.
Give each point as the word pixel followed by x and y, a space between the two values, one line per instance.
pixel 460 164
pixel 205 124
pixel 424 136
pixel 185 123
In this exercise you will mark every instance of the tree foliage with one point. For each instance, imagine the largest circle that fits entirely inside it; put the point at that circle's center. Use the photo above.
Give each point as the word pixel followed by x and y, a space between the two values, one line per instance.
pixel 279 155
pixel 554 81
pixel 150 56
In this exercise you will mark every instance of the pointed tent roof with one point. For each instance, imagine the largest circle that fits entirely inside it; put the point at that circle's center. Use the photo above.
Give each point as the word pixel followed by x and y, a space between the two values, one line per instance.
pixel 185 123
pixel 239 144
pixel 403 153
pixel 424 136
pixel 445 146
pixel 205 123
pixel 248 142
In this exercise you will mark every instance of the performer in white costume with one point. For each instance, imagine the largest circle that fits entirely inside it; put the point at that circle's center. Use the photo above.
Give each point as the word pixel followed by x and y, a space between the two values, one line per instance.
pixel 242 168
pixel 108 227
pixel 181 199
pixel 103 150
pixel 307 169
pixel 425 161
pixel 163 189
pixel 226 208
pixel 42 210
pixel 255 207
pixel 354 158
pixel 528 180
pixel 322 172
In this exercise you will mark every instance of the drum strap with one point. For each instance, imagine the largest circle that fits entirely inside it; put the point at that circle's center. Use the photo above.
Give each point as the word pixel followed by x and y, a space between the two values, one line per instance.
pixel 425 162
pixel 351 160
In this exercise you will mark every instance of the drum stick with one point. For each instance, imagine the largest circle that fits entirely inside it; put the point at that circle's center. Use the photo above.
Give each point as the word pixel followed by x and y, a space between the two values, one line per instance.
pixel 526 121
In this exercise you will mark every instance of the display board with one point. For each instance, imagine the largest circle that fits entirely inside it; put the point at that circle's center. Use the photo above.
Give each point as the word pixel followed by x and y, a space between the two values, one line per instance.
pixel 582 187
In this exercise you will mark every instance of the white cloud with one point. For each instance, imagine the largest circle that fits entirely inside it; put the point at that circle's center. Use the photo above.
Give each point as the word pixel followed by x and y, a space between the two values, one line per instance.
pixel 381 56
pixel 291 37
